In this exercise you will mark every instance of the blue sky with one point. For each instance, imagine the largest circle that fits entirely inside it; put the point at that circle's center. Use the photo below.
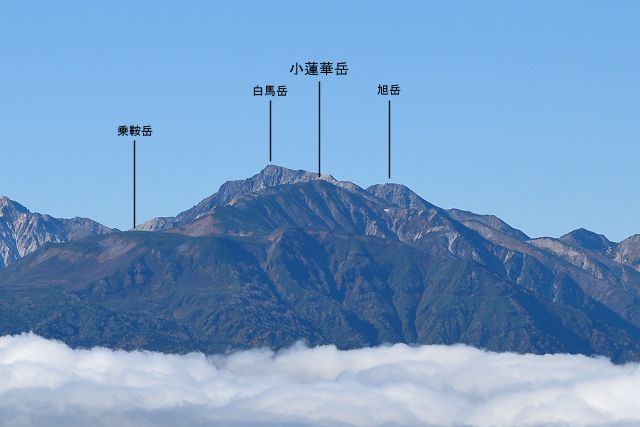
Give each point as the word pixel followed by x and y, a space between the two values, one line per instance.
pixel 530 111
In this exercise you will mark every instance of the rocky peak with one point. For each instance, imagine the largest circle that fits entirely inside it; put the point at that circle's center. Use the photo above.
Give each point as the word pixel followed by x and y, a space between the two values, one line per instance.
pixel 270 176
pixel 22 232
pixel 628 251
pixel 586 239
pixel 273 175
pixel 11 207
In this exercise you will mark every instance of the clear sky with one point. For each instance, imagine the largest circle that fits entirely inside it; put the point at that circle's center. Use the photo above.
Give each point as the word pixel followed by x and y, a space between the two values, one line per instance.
pixel 526 110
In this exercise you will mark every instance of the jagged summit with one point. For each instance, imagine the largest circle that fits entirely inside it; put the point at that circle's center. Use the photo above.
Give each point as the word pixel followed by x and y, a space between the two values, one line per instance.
pixel 6 202
pixel 272 175
pixel 628 251
pixel 23 231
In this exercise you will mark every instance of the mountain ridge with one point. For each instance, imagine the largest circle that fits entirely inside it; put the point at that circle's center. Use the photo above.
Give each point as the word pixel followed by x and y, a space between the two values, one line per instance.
pixel 268 177
pixel 287 255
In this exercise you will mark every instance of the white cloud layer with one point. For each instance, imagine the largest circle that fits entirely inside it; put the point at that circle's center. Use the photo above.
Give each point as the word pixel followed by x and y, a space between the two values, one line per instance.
pixel 45 383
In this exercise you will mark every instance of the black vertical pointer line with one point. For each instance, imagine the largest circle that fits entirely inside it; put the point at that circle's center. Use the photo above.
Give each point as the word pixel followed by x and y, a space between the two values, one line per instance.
pixel 319 146
pixel 134 184
pixel 389 144
pixel 270 131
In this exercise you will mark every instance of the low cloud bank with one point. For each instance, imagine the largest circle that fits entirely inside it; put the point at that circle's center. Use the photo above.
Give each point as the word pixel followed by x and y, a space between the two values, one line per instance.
pixel 43 382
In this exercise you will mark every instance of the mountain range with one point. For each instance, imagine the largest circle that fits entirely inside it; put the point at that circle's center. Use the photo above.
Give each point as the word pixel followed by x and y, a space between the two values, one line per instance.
pixel 288 255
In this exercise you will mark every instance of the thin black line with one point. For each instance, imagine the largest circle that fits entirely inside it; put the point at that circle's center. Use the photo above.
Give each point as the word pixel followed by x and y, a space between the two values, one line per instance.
pixel 134 184
pixel 270 143
pixel 389 144
pixel 319 144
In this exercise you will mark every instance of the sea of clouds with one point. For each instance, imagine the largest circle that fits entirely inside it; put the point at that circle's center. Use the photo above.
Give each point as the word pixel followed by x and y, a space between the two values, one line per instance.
pixel 45 383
